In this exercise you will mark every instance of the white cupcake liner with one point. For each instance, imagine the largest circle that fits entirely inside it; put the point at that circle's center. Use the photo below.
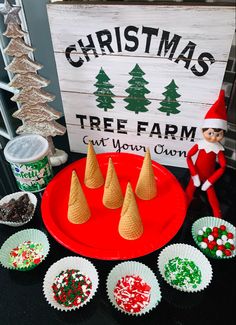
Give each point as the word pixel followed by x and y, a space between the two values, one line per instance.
pixel 16 195
pixel 212 222
pixel 18 238
pixel 191 253
pixel 138 269
pixel 70 262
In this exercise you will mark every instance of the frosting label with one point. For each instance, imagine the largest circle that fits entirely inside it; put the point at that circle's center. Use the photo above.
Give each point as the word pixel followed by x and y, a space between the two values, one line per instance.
pixel 33 176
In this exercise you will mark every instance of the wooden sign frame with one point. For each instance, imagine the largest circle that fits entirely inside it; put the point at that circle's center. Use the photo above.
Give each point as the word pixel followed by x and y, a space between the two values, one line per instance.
pixel 139 75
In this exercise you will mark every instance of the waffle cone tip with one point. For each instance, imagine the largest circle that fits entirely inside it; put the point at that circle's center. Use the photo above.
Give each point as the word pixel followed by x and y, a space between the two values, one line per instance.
pixel 130 225
pixel 78 209
pixel 112 195
pixel 93 176
pixel 146 188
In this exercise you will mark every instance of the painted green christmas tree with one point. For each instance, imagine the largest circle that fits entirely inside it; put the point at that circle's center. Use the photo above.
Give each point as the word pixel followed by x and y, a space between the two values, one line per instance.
pixel 103 92
pixel 137 91
pixel 169 104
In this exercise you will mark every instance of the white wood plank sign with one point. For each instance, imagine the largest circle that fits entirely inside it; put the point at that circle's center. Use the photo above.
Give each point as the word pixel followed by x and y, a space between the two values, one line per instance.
pixel 138 76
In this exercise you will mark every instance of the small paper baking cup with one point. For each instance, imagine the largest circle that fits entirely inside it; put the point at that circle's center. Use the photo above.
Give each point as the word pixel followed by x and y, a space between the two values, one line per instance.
pixel 138 269
pixel 212 222
pixel 71 262
pixel 16 195
pixel 33 235
pixel 191 253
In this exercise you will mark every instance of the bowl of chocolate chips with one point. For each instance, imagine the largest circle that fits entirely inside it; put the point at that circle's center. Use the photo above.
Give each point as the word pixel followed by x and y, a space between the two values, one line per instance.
pixel 17 209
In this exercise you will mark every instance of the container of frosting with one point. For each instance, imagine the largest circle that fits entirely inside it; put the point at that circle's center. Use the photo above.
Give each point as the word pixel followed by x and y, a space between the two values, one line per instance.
pixel 28 157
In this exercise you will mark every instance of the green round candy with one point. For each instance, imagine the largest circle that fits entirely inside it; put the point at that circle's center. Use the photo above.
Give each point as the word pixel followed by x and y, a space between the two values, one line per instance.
pixel 224 232
pixel 208 230
pixel 227 245
pixel 205 235
pixel 199 238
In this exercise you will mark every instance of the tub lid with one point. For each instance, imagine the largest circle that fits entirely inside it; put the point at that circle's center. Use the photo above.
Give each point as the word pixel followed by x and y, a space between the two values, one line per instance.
pixel 26 148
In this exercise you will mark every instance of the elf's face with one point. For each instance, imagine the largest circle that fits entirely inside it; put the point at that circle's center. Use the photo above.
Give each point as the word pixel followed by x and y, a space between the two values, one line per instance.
pixel 213 136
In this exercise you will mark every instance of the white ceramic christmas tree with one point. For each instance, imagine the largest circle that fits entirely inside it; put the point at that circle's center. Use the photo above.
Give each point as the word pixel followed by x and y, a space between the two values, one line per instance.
pixel 36 115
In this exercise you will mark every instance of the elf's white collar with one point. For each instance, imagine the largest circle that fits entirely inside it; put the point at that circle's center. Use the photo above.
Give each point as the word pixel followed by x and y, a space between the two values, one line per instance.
pixel 209 146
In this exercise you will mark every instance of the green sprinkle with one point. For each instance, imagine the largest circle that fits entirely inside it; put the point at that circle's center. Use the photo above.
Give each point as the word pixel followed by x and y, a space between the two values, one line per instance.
pixel 183 273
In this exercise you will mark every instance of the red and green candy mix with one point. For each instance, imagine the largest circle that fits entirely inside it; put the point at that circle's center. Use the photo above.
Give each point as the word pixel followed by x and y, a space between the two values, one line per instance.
pixel 132 294
pixel 71 288
pixel 216 241
pixel 26 254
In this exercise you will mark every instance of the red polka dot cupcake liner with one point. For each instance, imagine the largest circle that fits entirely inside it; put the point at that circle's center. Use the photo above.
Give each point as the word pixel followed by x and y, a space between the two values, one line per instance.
pixel 215 237
pixel 17 195
pixel 133 288
pixel 24 250
pixel 70 283
pixel 185 268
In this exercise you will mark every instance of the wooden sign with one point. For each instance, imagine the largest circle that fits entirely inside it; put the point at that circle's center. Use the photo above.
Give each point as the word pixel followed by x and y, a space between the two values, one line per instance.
pixel 138 76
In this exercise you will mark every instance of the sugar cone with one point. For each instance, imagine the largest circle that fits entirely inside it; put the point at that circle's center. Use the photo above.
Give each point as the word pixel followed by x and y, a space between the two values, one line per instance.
pixel 112 195
pixel 93 177
pixel 78 209
pixel 146 188
pixel 130 225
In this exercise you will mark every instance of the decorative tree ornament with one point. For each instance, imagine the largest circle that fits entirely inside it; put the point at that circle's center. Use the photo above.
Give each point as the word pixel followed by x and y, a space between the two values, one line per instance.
pixel 51 128
pixel 10 13
pixel 23 65
pixel 37 117
pixel 37 113
pixel 17 47
pixel 32 96
pixel 14 31
pixel 29 80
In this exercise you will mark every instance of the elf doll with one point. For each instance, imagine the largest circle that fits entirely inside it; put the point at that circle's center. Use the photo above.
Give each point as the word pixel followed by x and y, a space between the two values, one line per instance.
pixel 203 171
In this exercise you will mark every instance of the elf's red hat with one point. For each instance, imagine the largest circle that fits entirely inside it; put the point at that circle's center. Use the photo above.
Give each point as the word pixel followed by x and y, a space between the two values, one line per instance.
pixel 216 117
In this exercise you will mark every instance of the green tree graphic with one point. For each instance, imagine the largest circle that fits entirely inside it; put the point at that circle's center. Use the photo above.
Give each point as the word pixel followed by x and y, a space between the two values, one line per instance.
pixel 169 104
pixel 137 90
pixel 103 92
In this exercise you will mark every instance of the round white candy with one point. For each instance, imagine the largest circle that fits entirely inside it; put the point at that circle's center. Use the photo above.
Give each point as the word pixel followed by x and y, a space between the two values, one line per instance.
pixel 224 237
pixel 219 242
pixel 204 229
pixel 231 241
pixel 210 238
pixel 200 232
pixel 219 253
pixel 203 245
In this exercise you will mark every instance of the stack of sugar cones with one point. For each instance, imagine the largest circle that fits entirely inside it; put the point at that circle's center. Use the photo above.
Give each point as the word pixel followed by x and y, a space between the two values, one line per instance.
pixel 112 195
pixel 78 209
pixel 146 188
pixel 93 176
pixel 130 225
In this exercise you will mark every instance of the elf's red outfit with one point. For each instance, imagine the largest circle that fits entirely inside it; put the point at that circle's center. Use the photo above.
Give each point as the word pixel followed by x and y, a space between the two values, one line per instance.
pixel 203 171
pixel 204 167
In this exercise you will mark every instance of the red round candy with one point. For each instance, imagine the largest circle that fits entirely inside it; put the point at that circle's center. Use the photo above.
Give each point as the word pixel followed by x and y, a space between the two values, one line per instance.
pixel 222 227
pixel 210 245
pixel 220 247
pixel 206 240
pixel 232 247
pixel 215 234
pixel 230 235
pixel 215 229
pixel 227 252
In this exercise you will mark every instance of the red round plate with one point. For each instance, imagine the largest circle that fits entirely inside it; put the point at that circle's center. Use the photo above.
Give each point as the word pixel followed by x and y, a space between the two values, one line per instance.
pixel 162 216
